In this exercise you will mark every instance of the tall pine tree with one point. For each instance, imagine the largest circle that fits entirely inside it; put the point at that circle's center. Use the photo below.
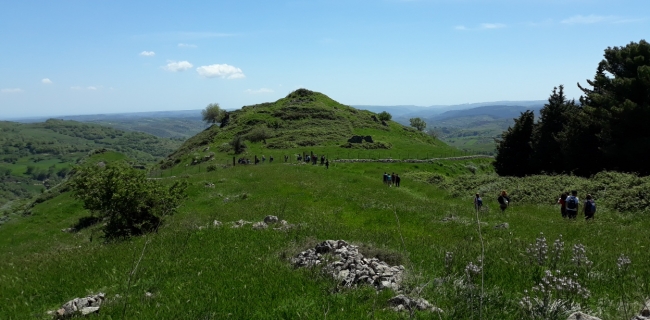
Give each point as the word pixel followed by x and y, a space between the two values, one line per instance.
pixel 514 148
pixel 554 116
pixel 619 106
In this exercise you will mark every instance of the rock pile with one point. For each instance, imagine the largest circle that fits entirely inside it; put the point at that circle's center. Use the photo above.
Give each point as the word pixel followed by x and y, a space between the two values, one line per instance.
pixel 504 225
pixel 644 314
pixel 349 266
pixel 79 306
pixel 581 316
pixel 432 160
pixel 240 223
pixel 404 303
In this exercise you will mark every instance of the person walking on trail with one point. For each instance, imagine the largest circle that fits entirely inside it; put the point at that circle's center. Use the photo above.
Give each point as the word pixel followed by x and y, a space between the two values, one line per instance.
pixel 572 204
pixel 263 159
pixel 478 202
pixel 589 207
pixel 388 180
pixel 562 202
pixel 270 159
pixel 392 177
pixel 504 200
pixel 385 178
pixel 327 164
pixel 397 180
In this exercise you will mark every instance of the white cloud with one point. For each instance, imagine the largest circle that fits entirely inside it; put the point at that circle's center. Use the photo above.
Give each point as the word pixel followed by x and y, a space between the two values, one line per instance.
pixel 91 88
pixel 492 25
pixel 147 53
pixel 580 19
pixel 46 81
pixel 259 91
pixel 177 66
pixel 11 90
pixel 460 28
pixel 186 45
pixel 75 88
pixel 220 70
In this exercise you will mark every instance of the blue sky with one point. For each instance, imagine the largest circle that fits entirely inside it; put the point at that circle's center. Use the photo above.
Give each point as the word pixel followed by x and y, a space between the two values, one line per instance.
pixel 82 57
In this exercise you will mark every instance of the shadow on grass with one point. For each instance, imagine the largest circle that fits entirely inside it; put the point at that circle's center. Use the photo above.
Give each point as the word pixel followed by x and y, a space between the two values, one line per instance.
pixel 86 222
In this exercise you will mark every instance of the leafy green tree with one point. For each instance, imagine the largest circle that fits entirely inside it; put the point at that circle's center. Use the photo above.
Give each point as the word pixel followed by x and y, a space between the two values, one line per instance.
pixel 384 116
pixel 237 144
pixel 618 104
pixel 418 123
pixel 514 148
pixel 132 203
pixel 213 113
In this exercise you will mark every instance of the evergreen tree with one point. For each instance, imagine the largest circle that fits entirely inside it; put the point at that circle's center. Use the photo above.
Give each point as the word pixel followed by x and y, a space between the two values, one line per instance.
pixel 547 151
pixel 514 148
pixel 619 106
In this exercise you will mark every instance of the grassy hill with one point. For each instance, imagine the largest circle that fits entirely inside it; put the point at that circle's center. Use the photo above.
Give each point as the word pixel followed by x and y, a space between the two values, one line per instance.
pixel 35 156
pixel 194 270
pixel 306 122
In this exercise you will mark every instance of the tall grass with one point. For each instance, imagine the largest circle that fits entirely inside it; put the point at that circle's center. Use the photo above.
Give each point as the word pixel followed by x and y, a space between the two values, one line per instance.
pixel 196 271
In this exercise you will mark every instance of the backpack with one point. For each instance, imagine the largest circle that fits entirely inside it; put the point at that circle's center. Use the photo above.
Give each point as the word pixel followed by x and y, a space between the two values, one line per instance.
pixel 590 207
pixel 572 203
pixel 479 201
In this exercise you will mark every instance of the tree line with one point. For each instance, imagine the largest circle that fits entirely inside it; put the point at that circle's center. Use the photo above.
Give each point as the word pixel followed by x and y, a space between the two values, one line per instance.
pixel 607 129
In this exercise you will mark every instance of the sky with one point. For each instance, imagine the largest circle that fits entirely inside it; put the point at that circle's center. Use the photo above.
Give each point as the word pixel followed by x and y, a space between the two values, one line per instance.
pixel 86 57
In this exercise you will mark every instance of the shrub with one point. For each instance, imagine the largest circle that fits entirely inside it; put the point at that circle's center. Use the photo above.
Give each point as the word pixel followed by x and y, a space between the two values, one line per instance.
pixel 384 116
pixel 237 144
pixel 258 134
pixel 131 203
pixel 211 167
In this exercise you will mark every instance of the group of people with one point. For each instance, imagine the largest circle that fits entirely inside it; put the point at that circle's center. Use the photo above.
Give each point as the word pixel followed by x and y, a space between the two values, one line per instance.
pixel 503 200
pixel 313 158
pixel 391 179
pixel 569 204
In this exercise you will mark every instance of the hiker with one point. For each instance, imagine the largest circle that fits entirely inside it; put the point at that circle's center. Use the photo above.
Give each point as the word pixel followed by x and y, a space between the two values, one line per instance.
pixel 327 164
pixel 322 160
pixel 589 207
pixel 385 178
pixel 286 158
pixel 478 202
pixel 504 200
pixel 572 204
pixel 397 180
pixel 263 158
pixel 270 159
pixel 388 180
pixel 257 160
pixel 562 202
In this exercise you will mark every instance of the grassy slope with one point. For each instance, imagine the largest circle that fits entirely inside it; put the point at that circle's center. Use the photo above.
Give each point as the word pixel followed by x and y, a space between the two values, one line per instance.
pixel 242 273
pixel 307 122
pixel 60 144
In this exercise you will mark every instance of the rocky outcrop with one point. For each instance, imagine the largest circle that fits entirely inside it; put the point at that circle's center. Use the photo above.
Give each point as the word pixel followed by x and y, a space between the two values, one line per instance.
pixel 409 160
pixel 360 139
pixel 79 306
pixel 504 225
pixel 581 316
pixel 270 219
pixel 405 303
pixel 349 266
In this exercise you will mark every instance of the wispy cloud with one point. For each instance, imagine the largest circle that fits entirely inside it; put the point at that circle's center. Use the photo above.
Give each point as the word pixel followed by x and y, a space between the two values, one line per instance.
pixel 492 25
pixel 183 36
pixel 593 19
pixel 46 81
pixel 482 26
pixel 259 91
pixel 11 90
pixel 89 88
pixel 186 45
pixel 177 66
pixel 147 53
pixel 220 70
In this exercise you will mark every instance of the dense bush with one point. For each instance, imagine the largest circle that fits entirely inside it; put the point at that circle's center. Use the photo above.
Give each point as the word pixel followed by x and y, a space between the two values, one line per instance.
pixel 258 134
pixel 619 191
pixel 132 203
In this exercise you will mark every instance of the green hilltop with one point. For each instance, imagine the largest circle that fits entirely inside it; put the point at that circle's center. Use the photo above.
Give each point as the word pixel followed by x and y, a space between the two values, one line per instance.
pixel 303 122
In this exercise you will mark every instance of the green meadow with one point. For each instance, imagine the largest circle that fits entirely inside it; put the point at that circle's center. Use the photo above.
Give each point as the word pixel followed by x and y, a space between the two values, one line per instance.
pixel 197 271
